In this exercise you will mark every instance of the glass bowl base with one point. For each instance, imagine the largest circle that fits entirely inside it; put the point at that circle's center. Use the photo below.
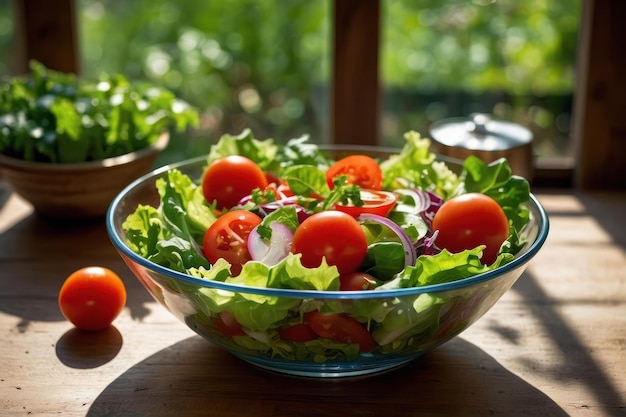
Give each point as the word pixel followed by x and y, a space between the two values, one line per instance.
pixel 328 370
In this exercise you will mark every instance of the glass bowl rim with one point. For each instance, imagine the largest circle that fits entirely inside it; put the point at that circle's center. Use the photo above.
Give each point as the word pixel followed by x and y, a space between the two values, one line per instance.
pixel 530 252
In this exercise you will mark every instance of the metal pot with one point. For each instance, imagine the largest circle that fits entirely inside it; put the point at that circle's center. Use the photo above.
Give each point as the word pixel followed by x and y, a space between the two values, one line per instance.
pixel 487 138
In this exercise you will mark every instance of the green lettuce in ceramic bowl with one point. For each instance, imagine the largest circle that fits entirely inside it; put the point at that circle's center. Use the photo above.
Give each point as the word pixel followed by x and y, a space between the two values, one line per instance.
pixel 69 145
pixel 295 319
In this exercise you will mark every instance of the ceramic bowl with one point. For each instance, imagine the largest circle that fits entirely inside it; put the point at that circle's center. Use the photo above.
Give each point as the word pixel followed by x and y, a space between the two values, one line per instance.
pixel 445 310
pixel 79 190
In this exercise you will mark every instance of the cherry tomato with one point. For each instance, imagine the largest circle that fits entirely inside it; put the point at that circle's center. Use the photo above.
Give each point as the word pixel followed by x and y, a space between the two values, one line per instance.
pixel 357 281
pixel 227 325
pixel 297 333
pixel 229 179
pixel 335 235
pixel 361 170
pixel 470 220
pixel 340 328
pixel 374 202
pixel 92 297
pixel 227 238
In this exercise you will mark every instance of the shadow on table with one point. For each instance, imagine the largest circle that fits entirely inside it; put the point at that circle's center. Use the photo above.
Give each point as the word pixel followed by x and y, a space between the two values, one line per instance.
pixel 607 209
pixel 580 364
pixel 194 378
pixel 40 254
pixel 86 350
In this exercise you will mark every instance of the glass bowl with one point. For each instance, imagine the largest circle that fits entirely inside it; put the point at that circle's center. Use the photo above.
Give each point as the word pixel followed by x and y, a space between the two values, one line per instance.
pixel 423 317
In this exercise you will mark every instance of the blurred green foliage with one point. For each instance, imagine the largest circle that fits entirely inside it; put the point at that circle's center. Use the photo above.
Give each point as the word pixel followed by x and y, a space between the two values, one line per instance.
pixel 516 46
pixel 7 29
pixel 265 65
pixel 51 116
pixel 449 58
pixel 244 64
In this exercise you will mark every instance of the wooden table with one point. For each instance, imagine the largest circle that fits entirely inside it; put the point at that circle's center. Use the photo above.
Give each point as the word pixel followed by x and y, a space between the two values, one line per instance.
pixel 555 345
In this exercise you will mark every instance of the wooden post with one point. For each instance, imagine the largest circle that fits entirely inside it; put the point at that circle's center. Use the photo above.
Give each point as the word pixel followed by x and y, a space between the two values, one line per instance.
pixel 46 31
pixel 600 107
pixel 355 115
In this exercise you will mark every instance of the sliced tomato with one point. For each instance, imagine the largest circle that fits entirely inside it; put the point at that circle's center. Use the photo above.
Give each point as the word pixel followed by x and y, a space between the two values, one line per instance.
pixel 228 238
pixel 361 170
pixel 374 202
pixel 299 332
pixel 340 328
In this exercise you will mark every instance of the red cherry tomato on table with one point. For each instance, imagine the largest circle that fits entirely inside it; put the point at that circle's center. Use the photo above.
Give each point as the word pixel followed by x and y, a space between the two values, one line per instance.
pixel 357 281
pixel 335 235
pixel 229 179
pixel 340 328
pixel 374 202
pixel 92 297
pixel 361 170
pixel 471 220
pixel 227 238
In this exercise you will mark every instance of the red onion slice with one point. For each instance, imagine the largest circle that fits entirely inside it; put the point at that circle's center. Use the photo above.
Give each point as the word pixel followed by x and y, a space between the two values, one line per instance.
pixel 410 253
pixel 421 200
pixel 272 252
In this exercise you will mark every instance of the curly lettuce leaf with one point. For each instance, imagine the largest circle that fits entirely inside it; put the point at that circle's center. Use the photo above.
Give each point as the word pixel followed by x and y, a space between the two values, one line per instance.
pixel 183 205
pixel 288 273
pixel 415 167
pixel 259 312
pixel 169 235
pixel 262 152
pixel 300 151
pixel 443 267
pixel 144 229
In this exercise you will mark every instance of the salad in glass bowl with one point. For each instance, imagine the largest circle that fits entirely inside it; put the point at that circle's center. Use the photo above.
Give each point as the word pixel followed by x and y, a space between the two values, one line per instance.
pixel 327 261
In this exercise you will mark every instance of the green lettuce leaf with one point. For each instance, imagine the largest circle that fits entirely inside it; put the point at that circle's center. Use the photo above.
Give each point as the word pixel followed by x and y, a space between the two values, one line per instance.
pixel 169 235
pixel 415 167
pixel 144 229
pixel 260 312
pixel 443 267
pixel 306 179
pixel 300 151
pixel 263 152
pixel 409 316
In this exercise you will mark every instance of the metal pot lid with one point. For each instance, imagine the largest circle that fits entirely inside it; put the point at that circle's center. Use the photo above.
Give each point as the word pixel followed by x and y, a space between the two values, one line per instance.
pixel 480 133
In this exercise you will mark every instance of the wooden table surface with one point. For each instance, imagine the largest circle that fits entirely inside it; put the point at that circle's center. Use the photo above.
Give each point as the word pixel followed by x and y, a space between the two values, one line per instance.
pixel 555 345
